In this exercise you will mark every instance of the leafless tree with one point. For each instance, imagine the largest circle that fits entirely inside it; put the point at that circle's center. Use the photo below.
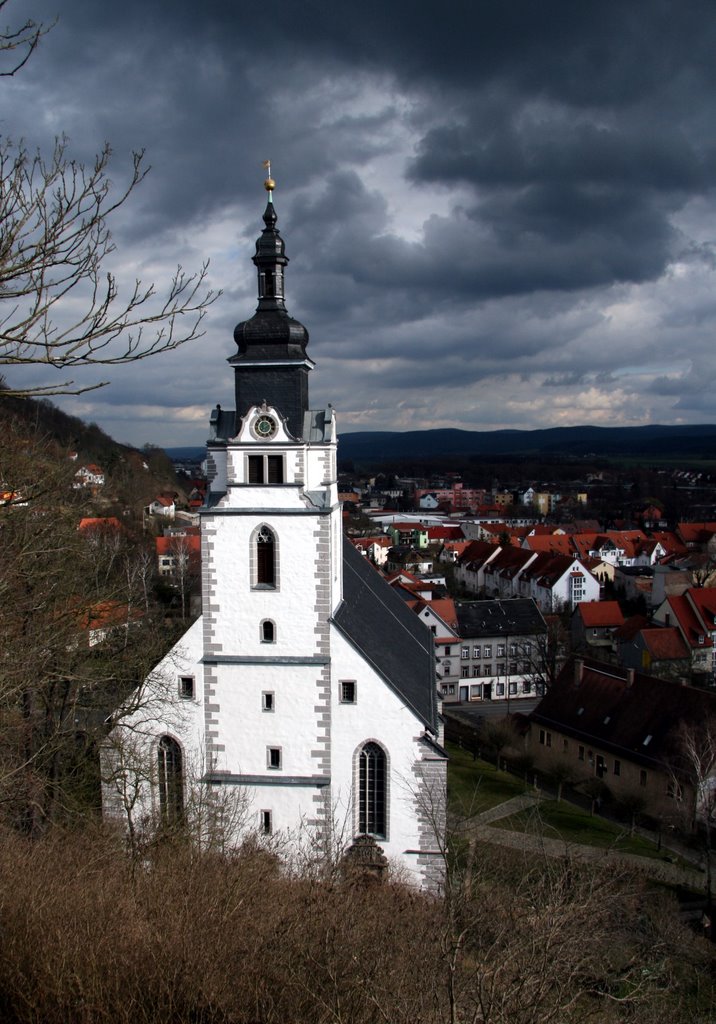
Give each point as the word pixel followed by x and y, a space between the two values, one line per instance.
pixel 55 244
pixel 693 785
pixel 18 44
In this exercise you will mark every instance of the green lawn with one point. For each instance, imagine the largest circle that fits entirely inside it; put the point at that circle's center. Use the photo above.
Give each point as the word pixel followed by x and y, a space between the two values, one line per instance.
pixel 476 786
pixel 573 825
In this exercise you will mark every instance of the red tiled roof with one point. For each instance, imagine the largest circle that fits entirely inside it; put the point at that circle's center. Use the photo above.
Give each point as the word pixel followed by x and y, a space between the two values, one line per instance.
pixel 191 544
pixel 601 613
pixel 556 543
pixel 665 644
pixel 99 523
pixel 669 542
pixel 685 615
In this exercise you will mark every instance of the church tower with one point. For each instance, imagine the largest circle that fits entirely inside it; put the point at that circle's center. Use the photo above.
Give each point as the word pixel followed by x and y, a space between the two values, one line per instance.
pixel 271 552
pixel 307 686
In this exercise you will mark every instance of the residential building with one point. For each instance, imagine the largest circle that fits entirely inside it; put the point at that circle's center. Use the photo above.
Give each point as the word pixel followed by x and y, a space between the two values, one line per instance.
pixel 625 728
pixel 593 625
pixel 492 651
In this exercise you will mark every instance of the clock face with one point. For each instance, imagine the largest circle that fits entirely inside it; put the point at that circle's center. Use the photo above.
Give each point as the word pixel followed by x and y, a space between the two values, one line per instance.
pixel 265 427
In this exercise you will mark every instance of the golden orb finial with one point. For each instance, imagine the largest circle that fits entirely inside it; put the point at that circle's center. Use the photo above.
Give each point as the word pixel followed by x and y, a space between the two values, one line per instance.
pixel 269 183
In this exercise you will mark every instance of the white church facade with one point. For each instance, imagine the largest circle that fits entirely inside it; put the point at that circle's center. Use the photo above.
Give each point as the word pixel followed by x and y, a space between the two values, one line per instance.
pixel 306 690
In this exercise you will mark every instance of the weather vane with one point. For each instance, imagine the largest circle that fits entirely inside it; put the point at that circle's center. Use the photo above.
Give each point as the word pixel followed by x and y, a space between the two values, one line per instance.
pixel 269 184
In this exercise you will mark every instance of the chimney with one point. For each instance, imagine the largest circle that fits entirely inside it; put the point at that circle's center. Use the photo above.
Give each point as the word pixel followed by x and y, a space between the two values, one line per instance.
pixel 578 670
pixel 630 677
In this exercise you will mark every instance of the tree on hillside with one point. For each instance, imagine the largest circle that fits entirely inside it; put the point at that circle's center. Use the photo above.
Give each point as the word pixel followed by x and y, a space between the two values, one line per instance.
pixel 693 786
pixel 55 242
pixel 80 633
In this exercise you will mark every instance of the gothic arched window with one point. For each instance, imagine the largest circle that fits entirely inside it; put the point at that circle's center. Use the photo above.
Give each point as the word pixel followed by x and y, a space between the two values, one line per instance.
pixel 171 781
pixel 372 787
pixel 264 557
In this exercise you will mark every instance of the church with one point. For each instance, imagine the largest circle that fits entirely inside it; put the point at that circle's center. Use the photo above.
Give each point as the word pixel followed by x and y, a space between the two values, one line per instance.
pixel 304 697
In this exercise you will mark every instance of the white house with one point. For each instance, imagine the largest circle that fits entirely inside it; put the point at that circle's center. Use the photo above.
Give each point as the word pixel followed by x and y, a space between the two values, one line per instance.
pixel 307 688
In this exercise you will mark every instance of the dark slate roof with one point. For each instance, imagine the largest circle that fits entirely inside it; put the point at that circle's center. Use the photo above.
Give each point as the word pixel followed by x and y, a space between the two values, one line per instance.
pixel 516 617
pixel 390 637
pixel 317 424
pixel 637 719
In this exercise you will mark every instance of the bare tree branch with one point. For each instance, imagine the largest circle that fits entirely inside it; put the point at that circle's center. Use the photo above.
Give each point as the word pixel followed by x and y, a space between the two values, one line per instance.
pixel 54 243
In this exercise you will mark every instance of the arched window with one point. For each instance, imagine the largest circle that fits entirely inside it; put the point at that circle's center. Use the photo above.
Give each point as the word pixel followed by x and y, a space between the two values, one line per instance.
pixel 264 557
pixel 268 632
pixel 171 781
pixel 372 791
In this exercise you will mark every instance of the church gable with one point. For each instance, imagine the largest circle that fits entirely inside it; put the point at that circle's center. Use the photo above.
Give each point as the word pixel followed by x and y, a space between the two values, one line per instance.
pixel 391 638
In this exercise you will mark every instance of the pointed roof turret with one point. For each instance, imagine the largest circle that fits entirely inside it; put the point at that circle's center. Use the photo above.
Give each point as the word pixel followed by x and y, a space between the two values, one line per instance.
pixel 272 363
pixel 271 332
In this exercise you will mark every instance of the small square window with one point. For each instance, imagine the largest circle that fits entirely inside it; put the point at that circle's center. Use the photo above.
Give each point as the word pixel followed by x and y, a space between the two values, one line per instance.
pixel 348 691
pixel 273 757
pixel 266 822
pixel 268 702
pixel 186 687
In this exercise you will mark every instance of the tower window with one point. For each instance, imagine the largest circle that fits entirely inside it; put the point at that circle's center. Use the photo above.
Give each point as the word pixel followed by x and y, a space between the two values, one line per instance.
pixel 268 632
pixel 266 822
pixel 264 558
pixel 372 785
pixel 265 469
pixel 268 702
pixel 273 757
pixel 171 781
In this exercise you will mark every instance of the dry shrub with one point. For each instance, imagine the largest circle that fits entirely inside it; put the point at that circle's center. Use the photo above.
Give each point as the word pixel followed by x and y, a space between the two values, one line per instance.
pixel 89 936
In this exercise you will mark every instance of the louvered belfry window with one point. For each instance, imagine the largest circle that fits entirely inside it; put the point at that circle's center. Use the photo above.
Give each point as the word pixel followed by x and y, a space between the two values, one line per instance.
pixel 265 558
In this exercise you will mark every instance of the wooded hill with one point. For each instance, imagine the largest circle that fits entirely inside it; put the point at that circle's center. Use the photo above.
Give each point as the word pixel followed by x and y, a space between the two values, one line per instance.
pixel 133 477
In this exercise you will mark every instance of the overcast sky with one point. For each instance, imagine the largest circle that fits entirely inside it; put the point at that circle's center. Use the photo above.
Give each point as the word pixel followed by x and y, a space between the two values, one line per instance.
pixel 498 214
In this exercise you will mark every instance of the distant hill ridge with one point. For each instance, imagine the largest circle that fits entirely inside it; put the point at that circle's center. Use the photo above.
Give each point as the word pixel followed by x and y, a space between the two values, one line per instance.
pixel 692 440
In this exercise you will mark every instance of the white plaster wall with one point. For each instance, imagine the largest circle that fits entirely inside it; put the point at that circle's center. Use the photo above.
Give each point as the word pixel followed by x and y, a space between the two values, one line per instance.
pixel 246 730
pixel 158 710
pixel 238 609
pixel 380 715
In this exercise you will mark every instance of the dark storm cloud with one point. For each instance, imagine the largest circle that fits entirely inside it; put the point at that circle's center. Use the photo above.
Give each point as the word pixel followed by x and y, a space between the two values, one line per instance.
pixel 547 155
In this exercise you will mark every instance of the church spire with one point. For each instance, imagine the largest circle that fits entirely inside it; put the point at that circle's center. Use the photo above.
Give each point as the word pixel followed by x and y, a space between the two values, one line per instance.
pixel 271 363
